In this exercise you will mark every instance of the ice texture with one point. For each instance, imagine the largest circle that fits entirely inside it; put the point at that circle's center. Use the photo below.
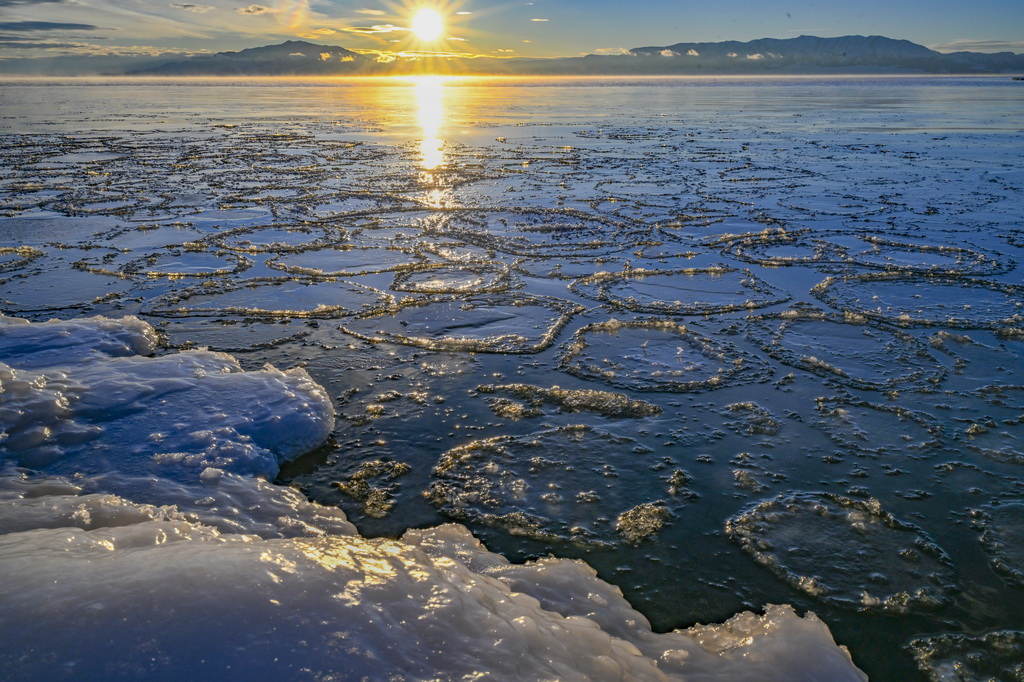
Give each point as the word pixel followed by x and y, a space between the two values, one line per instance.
pixel 194 409
pixel 202 569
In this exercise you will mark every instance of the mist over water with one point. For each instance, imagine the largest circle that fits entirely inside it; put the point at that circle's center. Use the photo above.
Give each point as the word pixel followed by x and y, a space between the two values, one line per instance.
pixel 731 342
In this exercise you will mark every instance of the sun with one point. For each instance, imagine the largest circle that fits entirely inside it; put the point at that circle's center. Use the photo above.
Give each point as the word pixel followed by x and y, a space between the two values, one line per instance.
pixel 427 24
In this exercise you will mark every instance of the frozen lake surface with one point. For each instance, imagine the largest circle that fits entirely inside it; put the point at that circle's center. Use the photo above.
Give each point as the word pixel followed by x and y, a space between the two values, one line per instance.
pixel 732 342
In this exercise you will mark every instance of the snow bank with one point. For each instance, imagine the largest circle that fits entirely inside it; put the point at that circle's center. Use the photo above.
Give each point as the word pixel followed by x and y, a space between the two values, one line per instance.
pixel 141 541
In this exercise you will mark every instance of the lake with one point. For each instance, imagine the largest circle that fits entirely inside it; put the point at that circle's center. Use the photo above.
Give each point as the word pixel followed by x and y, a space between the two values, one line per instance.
pixel 730 341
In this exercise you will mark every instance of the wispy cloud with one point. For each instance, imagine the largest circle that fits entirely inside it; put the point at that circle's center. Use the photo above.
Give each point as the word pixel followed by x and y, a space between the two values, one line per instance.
pixel 94 50
pixel 374 30
pixel 611 51
pixel 11 3
pixel 255 10
pixel 372 12
pixel 44 26
pixel 538 19
pixel 34 46
pixel 969 45
pixel 197 9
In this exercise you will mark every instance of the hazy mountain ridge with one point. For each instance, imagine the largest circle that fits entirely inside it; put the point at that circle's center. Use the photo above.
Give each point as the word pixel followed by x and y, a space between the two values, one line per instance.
pixel 871 53
pixel 292 57
pixel 801 55
pixel 804 54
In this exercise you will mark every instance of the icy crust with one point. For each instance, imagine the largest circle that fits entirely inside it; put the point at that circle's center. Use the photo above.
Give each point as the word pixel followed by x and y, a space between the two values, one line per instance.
pixel 118 564
pixel 76 396
pixel 29 345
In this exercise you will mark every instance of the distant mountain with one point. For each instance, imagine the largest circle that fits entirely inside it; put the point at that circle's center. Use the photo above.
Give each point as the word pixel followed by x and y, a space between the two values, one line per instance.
pixel 293 57
pixel 849 53
pixel 805 54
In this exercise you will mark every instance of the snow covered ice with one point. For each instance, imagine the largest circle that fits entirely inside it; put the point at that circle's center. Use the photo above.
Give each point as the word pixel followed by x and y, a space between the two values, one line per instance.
pixel 184 563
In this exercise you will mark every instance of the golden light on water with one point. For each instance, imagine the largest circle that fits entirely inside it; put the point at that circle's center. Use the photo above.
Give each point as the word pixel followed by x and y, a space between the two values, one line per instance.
pixel 430 115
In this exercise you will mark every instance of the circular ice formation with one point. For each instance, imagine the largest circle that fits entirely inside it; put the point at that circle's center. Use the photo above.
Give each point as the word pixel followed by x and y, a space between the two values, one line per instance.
pixel 1002 537
pixel 230 335
pixel 779 247
pixel 836 204
pixel 909 300
pixel 877 428
pixel 59 287
pixel 845 349
pixel 848 552
pixel 444 278
pixel 656 355
pixel 345 261
pixel 267 297
pixel 566 268
pixel 560 484
pixel 275 239
pixel 179 263
pixel 691 291
pixel 951 657
pixel 539 232
pixel 937 259
pixel 493 323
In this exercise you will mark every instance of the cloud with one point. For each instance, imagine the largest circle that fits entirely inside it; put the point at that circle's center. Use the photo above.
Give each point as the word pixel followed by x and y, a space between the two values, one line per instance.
pixel 538 19
pixel 34 46
pixel 372 30
pixel 255 10
pixel 93 50
pixel 372 12
pixel 11 3
pixel 692 53
pixel 668 53
pixel 197 9
pixel 969 45
pixel 755 57
pixel 611 51
pixel 44 26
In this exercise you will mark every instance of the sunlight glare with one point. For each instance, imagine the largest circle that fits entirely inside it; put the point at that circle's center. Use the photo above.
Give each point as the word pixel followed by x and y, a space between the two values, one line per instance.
pixel 430 115
pixel 427 24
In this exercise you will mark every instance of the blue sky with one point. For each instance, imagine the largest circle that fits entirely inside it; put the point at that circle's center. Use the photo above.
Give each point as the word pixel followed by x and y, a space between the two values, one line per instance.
pixel 541 28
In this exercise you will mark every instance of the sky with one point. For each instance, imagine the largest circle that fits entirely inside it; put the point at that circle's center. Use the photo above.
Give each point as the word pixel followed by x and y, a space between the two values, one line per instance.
pixel 511 28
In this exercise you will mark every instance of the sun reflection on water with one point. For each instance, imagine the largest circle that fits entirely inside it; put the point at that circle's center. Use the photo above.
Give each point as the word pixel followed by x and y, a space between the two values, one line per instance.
pixel 430 115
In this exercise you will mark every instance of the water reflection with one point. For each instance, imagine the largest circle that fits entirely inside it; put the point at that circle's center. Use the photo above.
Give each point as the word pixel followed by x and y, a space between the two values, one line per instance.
pixel 430 114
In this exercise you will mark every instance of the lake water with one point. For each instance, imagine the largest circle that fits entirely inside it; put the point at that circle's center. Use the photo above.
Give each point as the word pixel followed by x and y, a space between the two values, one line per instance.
pixel 732 342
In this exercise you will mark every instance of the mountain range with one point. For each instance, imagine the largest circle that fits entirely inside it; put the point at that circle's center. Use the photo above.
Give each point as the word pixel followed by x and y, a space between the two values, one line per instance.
pixel 801 55
pixel 804 54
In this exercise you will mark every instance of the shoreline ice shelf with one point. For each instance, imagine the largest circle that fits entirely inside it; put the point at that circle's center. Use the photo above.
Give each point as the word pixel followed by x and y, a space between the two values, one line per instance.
pixel 217 573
